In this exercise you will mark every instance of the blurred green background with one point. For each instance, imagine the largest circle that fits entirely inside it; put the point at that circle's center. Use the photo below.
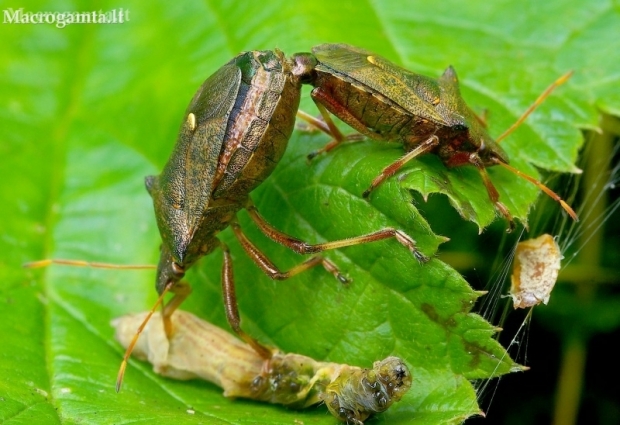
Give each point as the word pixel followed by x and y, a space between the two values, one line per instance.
pixel 94 108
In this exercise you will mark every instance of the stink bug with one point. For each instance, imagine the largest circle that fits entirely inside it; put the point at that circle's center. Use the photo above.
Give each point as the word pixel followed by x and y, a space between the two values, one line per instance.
pixel 235 131
pixel 388 103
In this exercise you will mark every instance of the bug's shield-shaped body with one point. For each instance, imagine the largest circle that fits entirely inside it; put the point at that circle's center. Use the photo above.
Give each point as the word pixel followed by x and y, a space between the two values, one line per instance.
pixel 386 102
pixel 235 131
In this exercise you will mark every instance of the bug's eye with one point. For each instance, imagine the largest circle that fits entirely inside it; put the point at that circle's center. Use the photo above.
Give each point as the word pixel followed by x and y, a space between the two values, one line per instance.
pixel 460 127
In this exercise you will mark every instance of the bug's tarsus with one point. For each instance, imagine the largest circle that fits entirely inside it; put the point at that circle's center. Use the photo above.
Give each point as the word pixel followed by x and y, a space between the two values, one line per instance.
pixel 406 240
pixel 421 258
pixel 343 279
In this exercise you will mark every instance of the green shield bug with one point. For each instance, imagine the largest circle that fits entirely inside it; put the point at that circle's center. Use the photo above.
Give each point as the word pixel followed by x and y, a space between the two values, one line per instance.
pixel 386 102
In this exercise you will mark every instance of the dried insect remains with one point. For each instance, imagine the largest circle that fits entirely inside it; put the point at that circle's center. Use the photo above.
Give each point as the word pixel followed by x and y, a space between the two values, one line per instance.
pixel 199 349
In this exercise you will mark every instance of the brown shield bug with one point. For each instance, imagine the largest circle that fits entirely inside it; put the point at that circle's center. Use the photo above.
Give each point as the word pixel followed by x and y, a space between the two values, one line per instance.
pixel 388 103
pixel 234 132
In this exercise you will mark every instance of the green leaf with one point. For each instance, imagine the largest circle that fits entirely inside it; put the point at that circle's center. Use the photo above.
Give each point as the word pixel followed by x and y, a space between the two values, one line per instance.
pixel 92 109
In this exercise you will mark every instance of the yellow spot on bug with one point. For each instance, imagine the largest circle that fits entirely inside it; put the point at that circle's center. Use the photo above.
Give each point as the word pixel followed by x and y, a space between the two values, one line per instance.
pixel 535 271
pixel 371 59
pixel 191 121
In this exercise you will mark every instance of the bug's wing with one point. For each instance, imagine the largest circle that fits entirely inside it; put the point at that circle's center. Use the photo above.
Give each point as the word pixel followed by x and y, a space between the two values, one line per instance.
pixel 183 190
pixel 212 106
pixel 415 93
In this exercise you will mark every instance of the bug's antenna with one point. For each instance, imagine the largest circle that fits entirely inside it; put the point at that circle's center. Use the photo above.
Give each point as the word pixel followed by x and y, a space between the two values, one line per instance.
pixel 134 340
pixel 542 187
pixel 81 263
pixel 535 105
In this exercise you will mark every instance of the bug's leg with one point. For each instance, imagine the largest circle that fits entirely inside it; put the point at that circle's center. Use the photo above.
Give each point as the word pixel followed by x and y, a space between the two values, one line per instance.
pixel 232 309
pixel 265 264
pixel 327 124
pixel 302 247
pixel 181 291
pixel 319 124
pixel 389 171
pixel 325 104
pixel 475 160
